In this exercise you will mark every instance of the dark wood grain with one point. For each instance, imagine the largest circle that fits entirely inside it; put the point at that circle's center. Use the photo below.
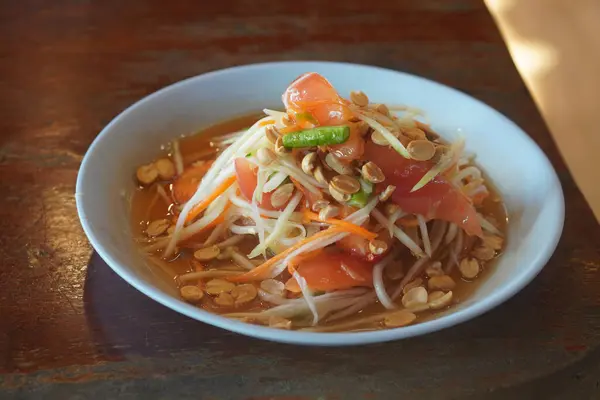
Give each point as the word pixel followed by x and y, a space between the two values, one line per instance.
pixel 69 327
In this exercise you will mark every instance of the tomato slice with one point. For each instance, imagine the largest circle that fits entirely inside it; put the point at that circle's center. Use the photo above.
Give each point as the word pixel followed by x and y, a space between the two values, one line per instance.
pixel 332 270
pixel 247 180
pixel 312 95
pixel 185 186
pixel 439 199
pixel 351 149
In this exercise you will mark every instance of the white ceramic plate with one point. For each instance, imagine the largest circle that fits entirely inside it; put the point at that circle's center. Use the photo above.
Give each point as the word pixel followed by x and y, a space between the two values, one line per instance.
pixel 517 167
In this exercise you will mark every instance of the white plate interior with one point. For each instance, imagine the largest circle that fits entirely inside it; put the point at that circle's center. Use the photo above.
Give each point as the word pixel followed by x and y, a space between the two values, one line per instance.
pixel 516 166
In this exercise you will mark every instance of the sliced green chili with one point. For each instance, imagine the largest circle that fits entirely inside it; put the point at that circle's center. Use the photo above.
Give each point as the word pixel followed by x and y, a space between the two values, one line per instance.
pixel 321 136
pixel 361 198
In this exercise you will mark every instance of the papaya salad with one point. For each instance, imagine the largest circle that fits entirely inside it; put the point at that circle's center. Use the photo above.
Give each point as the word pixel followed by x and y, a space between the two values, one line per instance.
pixel 332 215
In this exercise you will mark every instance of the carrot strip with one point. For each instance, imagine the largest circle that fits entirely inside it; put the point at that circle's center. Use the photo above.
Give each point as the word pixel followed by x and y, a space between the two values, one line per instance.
pixel 348 226
pixel 198 208
pixel 267 122
pixel 262 271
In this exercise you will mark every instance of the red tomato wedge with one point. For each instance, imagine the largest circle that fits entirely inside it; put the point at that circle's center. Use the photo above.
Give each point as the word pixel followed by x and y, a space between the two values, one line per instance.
pixel 333 271
pixel 351 149
pixel 247 179
pixel 312 95
pixel 186 184
pixel 436 200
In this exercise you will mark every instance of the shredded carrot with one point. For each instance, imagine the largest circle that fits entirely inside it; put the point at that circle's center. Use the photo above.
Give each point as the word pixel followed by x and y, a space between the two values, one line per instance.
pixel 266 122
pixel 305 218
pixel 198 208
pixel 348 226
pixel 262 271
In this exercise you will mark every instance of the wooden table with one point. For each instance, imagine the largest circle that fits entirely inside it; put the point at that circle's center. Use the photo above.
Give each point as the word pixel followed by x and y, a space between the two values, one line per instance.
pixel 71 328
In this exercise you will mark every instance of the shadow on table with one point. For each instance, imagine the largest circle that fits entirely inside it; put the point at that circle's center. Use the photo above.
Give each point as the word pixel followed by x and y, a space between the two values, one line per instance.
pixel 523 340
pixel 124 320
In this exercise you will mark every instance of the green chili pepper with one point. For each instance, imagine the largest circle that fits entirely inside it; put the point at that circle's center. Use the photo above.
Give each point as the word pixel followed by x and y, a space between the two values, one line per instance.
pixel 321 136
pixel 361 198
